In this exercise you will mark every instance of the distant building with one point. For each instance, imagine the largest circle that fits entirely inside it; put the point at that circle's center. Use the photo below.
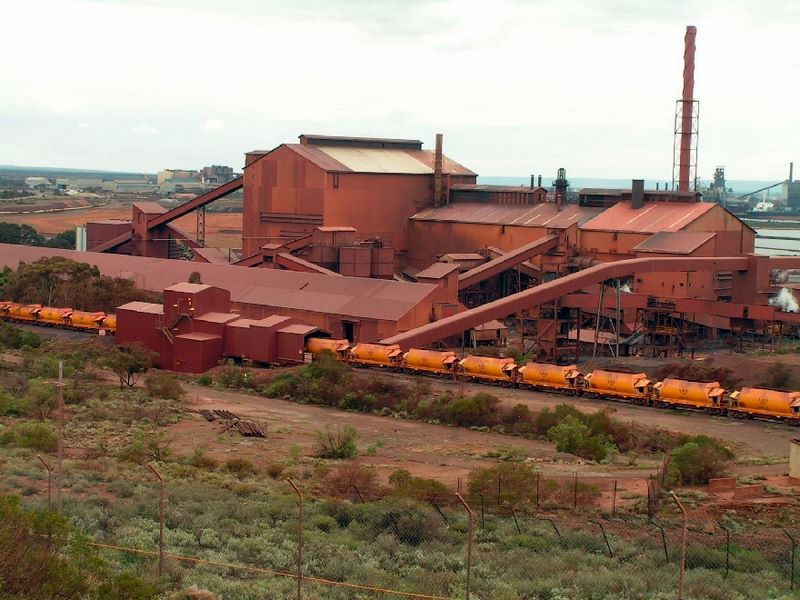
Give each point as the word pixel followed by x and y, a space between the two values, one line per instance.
pixel 129 186
pixel 38 183
pixel 78 183
pixel 169 174
pixel 216 174
pixel 173 186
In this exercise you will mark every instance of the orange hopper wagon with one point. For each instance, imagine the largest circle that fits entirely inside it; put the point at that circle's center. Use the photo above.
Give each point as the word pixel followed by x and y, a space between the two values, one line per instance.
pixel 500 370
pixel 678 392
pixel 547 376
pixel 769 403
pixel 376 355
pixel 634 386
pixel 429 361
pixel 317 345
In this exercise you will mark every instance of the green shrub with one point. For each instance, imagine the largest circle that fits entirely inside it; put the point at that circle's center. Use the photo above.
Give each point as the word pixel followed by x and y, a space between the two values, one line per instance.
pixel 164 385
pixel 419 488
pixel 12 405
pixel 778 376
pixel 517 484
pixel 698 460
pixel 573 436
pixel 336 443
pixel 239 466
pixel 205 379
pixel 37 436
pixel 16 337
pixel 477 410
pixel 41 398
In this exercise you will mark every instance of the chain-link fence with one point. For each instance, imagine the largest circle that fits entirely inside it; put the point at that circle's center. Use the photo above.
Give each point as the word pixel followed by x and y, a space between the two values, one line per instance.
pixel 292 542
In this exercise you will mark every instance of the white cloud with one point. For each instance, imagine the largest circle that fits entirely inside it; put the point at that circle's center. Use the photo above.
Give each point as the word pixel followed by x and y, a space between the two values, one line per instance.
pixel 146 130
pixel 213 126
pixel 82 125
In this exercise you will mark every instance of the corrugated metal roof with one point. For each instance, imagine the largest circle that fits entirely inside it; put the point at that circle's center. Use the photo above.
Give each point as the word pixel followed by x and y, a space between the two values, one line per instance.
pixel 143 307
pixel 299 329
pixel 318 157
pixel 197 336
pixel 359 297
pixel 438 270
pixel 377 160
pixel 217 317
pixel 150 208
pixel 653 217
pixel 475 187
pixel 538 215
pixel 675 242
pixel 188 288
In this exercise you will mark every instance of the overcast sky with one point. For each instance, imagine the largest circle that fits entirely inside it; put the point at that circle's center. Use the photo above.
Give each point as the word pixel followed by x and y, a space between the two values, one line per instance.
pixel 517 87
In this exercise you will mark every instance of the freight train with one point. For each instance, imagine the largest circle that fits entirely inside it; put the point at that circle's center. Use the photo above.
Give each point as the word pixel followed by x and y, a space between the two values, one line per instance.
pixel 52 316
pixel 636 388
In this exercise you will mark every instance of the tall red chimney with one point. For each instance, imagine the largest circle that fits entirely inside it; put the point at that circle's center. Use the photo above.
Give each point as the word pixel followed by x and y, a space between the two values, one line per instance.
pixel 438 161
pixel 687 110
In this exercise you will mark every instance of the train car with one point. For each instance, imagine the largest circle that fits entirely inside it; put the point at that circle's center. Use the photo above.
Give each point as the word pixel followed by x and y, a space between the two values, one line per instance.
pixel 81 319
pixel 550 377
pixel 614 384
pixel 429 361
pixel 678 392
pixel 485 368
pixel 749 402
pixel 24 312
pixel 52 315
pixel 338 347
pixel 110 323
pixel 376 355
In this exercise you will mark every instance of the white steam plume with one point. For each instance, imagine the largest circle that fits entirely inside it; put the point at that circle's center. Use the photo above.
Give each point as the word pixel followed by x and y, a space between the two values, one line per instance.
pixel 785 301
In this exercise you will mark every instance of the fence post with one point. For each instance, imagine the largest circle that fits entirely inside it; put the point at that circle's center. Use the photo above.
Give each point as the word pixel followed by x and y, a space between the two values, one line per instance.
pixel 160 519
pixel 683 546
pixel 605 537
pixel 59 464
pixel 614 499
pixel 575 493
pixel 794 548
pixel 49 483
pixel 727 547
pixel 469 541
pixel 514 516
pixel 663 539
pixel 300 541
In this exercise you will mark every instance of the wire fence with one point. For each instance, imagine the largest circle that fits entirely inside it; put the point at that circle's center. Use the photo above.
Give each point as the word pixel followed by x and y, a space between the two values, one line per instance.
pixel 562 540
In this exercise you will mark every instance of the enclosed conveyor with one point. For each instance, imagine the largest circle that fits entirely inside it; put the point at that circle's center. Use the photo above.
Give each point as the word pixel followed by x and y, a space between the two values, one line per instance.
pixel 769 403
pixel 499 370
pixel 317 345
pixel 549 376
pixel 679 392
pixel 377 355
pixel 634 386
pixel 429 361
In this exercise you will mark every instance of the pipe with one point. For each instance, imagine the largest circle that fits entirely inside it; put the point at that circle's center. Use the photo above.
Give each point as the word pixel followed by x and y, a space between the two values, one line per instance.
pixel 687 109
pixel 437 171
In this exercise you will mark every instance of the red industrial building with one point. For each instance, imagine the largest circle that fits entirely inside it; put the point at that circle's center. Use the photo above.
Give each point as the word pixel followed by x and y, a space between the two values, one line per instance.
pixel 194 330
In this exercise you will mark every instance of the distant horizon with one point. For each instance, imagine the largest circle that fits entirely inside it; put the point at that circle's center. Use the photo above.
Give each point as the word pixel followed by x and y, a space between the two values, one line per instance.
pixel 740 186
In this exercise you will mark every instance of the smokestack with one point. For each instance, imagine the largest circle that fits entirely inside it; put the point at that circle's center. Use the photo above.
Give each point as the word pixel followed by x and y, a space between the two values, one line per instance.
pixel 540 182
pixel 437 171
pixel 637 194
pixel 656 186
pixel 791 172
pixel 687 109
pixel 533 181
pixel 561 185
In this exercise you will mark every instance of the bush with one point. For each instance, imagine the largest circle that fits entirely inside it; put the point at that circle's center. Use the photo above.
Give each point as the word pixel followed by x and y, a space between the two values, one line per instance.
pixel 128 362
pixel 37 436
pixel 239 466
pixel 778 376
pixel 419 488
pixel 348 478
pixel 336 443
pixel 477 410
pixel 12 405
pixel 164 385
pixel 41 398
pixel 205 379
pixel 16 337
pixel 697 461
pixel 517 483
pixel 575 437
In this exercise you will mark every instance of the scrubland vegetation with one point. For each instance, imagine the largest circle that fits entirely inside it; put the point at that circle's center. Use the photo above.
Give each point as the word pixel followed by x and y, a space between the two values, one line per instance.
pixel 406 534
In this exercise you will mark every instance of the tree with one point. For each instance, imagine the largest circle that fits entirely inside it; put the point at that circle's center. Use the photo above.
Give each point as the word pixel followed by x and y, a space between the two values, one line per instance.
pixel 44 557
pixel 194 277
pixel 41 398
pixel 65 239
pixel 128 363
